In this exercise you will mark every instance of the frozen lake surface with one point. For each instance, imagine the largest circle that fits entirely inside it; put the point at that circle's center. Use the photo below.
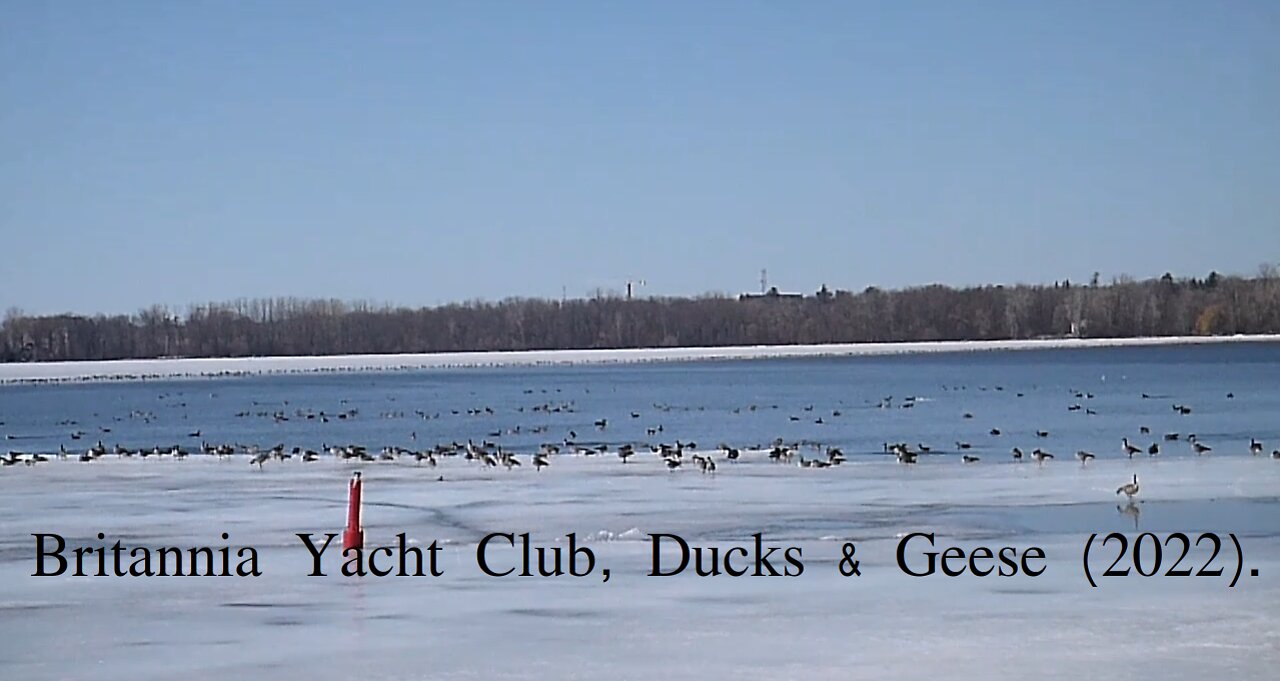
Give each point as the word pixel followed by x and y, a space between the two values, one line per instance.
pixel 819 625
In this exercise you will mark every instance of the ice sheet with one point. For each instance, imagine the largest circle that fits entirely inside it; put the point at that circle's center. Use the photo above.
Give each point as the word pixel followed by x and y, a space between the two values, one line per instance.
pixel 171 368
pixel 466 625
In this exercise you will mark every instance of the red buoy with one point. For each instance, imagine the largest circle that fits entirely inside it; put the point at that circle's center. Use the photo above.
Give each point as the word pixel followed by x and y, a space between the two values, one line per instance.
pixel 353 536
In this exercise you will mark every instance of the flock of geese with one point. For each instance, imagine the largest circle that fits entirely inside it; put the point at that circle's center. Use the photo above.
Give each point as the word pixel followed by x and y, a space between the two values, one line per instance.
pixel 488 454
pixel 674 456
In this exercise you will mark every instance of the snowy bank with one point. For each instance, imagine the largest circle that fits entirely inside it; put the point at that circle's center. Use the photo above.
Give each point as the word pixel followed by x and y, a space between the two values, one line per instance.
pixel 240 366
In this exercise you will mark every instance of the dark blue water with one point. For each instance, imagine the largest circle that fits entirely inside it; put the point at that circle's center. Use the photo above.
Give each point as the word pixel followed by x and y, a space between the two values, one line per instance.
pixel 1233 392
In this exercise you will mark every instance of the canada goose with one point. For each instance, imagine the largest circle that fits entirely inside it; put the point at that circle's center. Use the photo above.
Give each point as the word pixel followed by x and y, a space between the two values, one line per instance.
pixel 732 454
pixel 1040 455
pixel 962 445
pixel 1153 449
pixel 995 431
pixel 1144 430
pixel 1129 489
pixel 1129 449
pixel 969 458
pixel 672 464
pixel 1170 437
pixel 1275 453
pixel 1085 457
pixel 1201 448
pixel 540 461
pixel 260 458
pixel 1017 454
pixel 1255 447
pixel 1042 433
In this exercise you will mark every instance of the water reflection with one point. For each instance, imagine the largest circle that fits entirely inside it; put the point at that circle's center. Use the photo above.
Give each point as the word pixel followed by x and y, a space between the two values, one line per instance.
pixel 1130 510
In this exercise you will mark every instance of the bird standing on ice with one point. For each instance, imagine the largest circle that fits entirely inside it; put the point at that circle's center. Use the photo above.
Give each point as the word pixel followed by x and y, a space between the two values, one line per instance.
pixel 1129 489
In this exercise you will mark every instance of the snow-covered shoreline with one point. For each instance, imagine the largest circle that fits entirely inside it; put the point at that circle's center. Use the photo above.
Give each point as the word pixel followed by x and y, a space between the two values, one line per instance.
pixel 125 370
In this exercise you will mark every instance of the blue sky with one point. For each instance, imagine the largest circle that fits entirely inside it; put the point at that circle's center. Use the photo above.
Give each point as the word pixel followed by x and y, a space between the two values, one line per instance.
pixel 428 152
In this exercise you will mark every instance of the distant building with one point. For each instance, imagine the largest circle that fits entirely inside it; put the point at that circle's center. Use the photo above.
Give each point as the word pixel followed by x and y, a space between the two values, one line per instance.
pixel 771 294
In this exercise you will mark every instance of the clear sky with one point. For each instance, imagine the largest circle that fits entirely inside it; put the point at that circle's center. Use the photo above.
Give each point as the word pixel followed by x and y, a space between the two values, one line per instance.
pixel 429 152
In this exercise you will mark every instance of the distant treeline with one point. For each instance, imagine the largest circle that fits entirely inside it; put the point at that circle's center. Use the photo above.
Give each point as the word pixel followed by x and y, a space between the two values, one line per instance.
pixel 1166 306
